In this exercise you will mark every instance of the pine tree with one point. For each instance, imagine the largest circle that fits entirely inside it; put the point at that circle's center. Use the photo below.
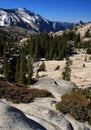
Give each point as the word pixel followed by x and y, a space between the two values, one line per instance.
pixel 30 70
pixel 85 58
pixel 22 71
pixel 67 71
pixel 5 65
pixel 37 49
pixel 42 67
pixel 17 71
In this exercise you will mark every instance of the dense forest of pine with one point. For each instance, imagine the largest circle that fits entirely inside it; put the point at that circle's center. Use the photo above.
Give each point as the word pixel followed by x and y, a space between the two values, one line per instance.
pixel 49 47
pixel 18 59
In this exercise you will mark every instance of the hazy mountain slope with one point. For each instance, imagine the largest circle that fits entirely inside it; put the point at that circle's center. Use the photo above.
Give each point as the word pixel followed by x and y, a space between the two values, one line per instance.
pixel 79 28
pixel 14 34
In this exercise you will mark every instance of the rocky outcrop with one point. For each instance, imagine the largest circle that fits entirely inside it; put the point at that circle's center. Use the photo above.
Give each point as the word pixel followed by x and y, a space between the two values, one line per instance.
pixel 42 110
pixel 41 113
pixel 13 119
pixel 83 29
pixel 56 86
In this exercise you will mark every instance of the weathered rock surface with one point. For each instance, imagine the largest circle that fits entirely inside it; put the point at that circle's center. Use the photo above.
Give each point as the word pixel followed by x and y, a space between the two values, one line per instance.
pixel 42 110
pixel 13 119
pixel 41 114
pixel 56 86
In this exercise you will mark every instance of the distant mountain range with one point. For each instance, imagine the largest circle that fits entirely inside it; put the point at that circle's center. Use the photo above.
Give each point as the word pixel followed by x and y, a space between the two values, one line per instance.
pixel 26 19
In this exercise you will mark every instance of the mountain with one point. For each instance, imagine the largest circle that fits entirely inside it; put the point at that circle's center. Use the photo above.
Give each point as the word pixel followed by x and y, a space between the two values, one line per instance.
pixel 14 34
pixel 26 19
pixel 83 29
pixel 80 23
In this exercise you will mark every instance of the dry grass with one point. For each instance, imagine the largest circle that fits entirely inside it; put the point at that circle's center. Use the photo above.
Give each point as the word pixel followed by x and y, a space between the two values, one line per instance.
pixel 79 74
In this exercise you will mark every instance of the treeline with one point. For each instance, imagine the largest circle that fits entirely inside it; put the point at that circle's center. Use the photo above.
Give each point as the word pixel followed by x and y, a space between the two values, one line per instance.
pixel 49 47
pixel 85 45
pixel 10 35
pixel 17 67
pixel 18 59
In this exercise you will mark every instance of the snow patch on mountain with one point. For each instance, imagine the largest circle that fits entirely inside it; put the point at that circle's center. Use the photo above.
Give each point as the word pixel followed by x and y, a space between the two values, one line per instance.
pixel 27 19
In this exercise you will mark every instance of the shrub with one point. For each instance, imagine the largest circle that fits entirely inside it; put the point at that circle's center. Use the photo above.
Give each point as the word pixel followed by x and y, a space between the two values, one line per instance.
pixel 83 92
pixel 89 57
pixel 85 58
pixel 77 105
pixel 42 67
pixel 57 68
pixel 87 34
pixel 89 122
pixel 40 93
pixel 83 65
pixel 21 94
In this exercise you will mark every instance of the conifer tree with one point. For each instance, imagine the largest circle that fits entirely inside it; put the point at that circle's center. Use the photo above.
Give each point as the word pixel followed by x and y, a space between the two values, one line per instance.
pixel 42 67
pixel 30 70
pixel 67 71
pixel 17 71
pixel 5 65
pixel 22 71
pixel 37 49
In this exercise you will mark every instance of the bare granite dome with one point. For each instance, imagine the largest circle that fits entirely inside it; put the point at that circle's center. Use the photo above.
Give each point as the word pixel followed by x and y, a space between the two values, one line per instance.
pixel 13 119
pixel 57 87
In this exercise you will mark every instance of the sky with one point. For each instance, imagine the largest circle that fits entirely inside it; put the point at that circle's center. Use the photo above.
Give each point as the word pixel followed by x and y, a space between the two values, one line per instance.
pixel 56 10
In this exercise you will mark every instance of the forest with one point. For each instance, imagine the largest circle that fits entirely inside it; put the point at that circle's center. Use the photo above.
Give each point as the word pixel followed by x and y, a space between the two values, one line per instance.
pixel 17 59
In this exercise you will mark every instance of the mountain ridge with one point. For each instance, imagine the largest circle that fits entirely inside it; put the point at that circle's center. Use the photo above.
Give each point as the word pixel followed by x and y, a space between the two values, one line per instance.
pixel 29 20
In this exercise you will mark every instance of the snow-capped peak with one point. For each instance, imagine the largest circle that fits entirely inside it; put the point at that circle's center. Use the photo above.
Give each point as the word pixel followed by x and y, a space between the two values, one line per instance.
pixel 21 9
pixel 27 19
